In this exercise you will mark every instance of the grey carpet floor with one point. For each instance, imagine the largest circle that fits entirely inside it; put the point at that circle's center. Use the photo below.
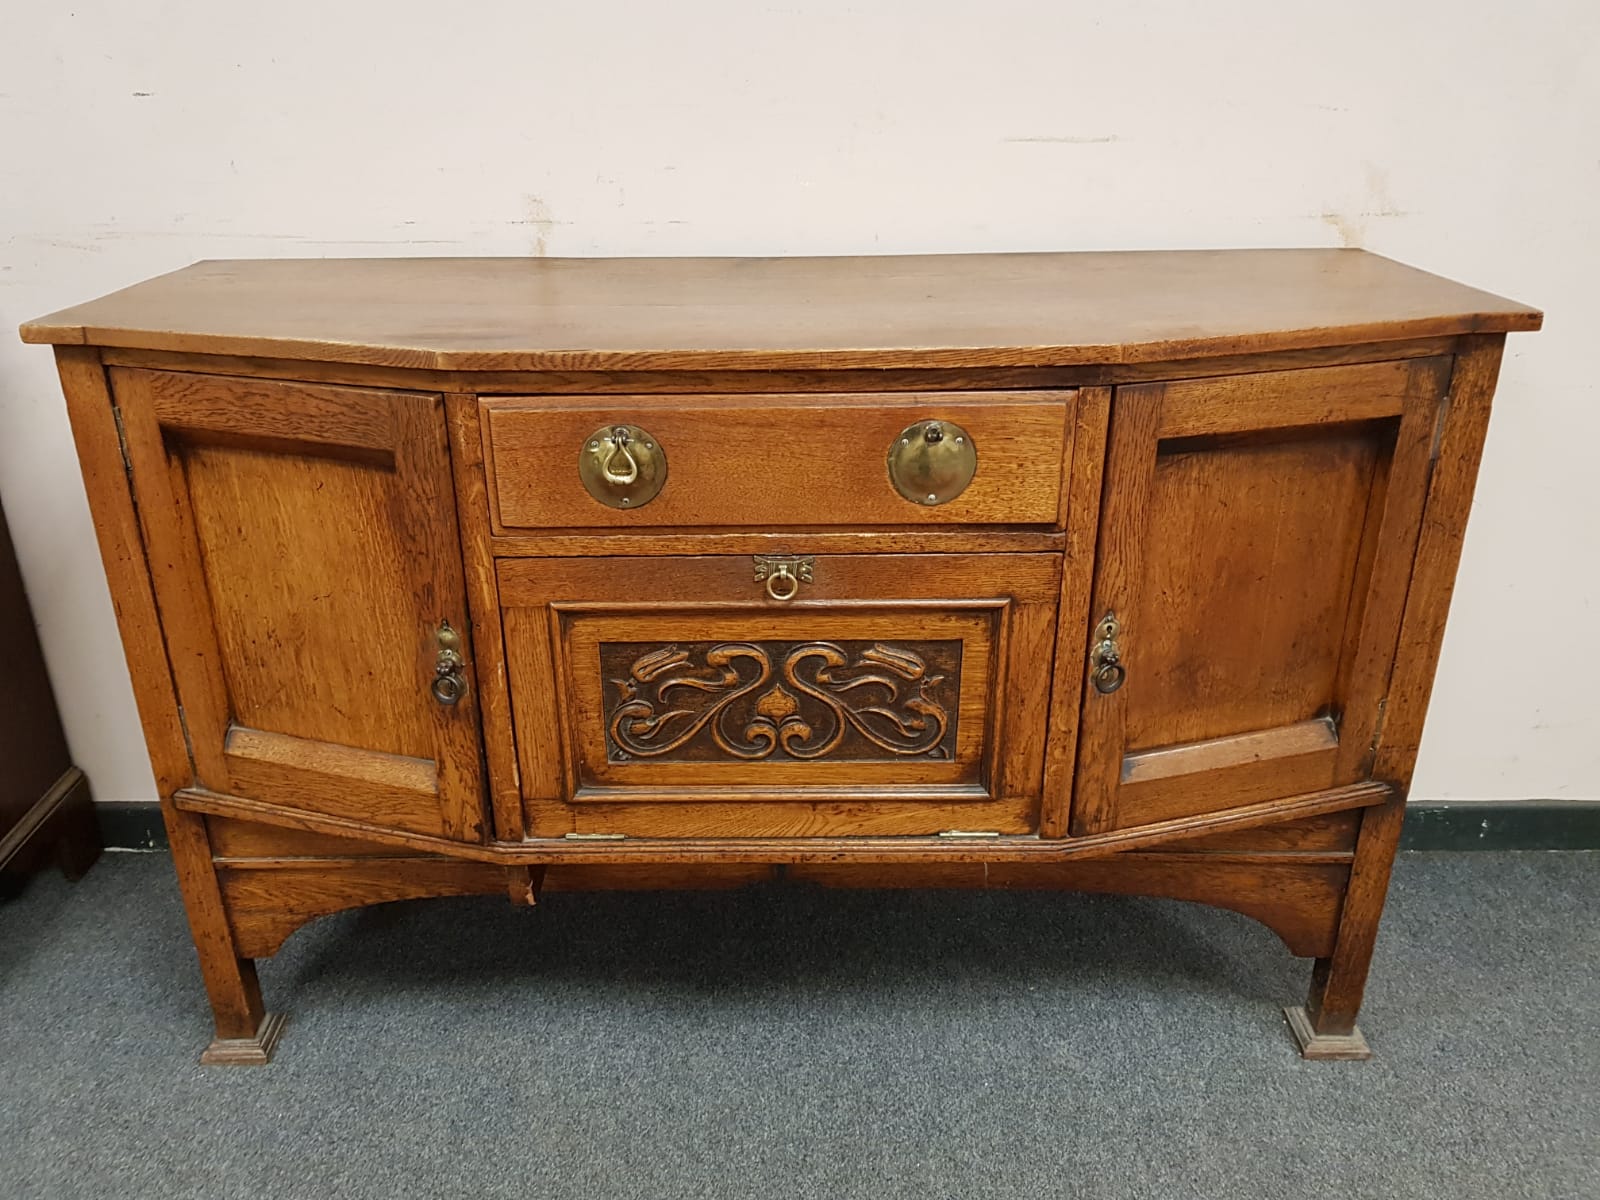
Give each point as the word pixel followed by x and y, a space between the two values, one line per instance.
pixel 808 1044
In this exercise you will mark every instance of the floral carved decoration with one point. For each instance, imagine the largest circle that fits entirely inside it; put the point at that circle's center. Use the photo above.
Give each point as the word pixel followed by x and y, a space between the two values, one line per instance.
pixel 784 700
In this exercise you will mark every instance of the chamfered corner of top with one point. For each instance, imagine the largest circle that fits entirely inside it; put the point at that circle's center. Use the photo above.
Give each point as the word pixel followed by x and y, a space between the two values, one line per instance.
pixel 49 331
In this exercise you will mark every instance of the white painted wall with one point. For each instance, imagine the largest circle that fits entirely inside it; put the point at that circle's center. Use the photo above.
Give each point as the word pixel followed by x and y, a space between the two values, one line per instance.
pixel 135 138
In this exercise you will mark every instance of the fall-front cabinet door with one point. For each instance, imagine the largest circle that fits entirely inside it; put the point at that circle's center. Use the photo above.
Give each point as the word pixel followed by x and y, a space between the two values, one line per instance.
pixel 1255 544
pixel 791 695
pixel 303 546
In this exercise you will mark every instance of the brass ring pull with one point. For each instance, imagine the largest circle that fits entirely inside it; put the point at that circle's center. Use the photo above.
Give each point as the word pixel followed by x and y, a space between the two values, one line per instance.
pixel 619 447
pixel 1108 678
pixel 784 573
pixel 781 585
pixel 449 683
pixel 448 689
pixel 1106 671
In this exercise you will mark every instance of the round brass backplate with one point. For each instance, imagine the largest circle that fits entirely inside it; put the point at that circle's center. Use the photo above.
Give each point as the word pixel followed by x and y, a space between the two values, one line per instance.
pixel 622 466
pixel 932 462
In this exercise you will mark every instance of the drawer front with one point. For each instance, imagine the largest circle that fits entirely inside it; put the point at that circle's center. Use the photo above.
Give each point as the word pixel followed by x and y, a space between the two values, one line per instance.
pixel 676 697
pixel 774 461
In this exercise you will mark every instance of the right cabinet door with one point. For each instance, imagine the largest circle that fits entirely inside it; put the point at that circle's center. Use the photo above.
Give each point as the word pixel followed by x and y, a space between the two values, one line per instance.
pixel 1256 539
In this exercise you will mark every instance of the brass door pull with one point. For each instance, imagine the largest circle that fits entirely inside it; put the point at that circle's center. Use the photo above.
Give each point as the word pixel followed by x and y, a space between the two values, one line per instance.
pixel 622 466
pixel 784 573
pixel 932 462
pixel 619 450
pixel 1106 671
pixel 449 684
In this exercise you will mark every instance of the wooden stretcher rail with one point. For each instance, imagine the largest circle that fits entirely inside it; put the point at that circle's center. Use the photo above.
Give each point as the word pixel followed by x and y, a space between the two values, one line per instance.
pixel 800 850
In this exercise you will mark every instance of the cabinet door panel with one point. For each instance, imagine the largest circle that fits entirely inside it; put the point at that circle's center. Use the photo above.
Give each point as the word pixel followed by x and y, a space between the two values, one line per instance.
pixel 304 551
pixel 1256 537
pixel 893 694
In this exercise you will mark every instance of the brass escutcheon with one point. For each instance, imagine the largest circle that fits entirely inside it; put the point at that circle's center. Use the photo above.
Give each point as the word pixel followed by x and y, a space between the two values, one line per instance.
pixel 622 466
pixel 784 573
pixel 932 462
pixel 449 682
pixel 1106 671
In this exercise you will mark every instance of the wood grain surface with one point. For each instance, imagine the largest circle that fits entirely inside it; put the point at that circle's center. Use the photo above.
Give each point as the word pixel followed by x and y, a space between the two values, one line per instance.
pixel 739 462
pixel 305 552
pixel 988 310
pixel 988 619
pixel 1255 541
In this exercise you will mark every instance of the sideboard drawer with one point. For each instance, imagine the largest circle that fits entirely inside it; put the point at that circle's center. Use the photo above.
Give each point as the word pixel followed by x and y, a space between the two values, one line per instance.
pixel 773 461
pixel 891 694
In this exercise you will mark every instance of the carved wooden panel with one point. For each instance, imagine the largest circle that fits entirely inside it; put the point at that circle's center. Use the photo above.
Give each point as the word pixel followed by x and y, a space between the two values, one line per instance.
pixel 786 700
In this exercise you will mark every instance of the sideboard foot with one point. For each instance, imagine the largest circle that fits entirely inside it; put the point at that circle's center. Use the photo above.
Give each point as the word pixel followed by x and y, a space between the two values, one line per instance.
pixel 246 1052
pixel 1348 1046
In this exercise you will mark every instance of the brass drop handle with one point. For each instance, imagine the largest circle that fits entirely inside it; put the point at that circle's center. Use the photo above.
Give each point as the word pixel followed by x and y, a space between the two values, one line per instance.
pixel 1106 671
pixel 619 449
pixel 622 466
pixel 449 684
pixel 784 573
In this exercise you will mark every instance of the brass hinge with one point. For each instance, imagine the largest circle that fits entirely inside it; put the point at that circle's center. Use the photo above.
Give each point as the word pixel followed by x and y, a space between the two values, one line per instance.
pixel 595 837
pixel 969 833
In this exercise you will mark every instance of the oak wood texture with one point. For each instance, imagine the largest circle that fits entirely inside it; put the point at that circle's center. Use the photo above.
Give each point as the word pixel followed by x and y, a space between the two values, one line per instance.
pixel 230 976
pixel 1259 669
pixel 253 1051
pixel 266 905
pixel 560 614
pixel 1296 899
pixel 270 898
pixel 1339 980
pixel 230 980
pixel 485 634
pixel 1333 834
pixel 247 840
pixel 950 539
pixel 1260 461
pixel 1458 451
pixel 969 310
pixel 98 437
pixel 309 554
pixel 1339 1047
pixel 1085 473
pixel 780 461
pixel 790 848
pixel 723 381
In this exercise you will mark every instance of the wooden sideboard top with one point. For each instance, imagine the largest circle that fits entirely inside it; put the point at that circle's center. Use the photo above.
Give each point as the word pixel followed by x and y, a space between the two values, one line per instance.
pixel 953 310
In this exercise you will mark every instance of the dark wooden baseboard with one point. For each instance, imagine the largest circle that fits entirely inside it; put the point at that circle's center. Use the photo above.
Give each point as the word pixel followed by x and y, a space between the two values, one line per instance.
pixel 1503 825
pixel 132 825
pixel 1466 825
pixel 60 827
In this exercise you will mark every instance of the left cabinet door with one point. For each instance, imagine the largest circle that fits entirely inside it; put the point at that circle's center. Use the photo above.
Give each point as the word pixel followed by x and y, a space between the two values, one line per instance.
pixel 303 545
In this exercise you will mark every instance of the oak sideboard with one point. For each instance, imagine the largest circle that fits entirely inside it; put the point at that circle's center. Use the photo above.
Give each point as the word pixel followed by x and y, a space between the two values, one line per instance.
pixel 1122 572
